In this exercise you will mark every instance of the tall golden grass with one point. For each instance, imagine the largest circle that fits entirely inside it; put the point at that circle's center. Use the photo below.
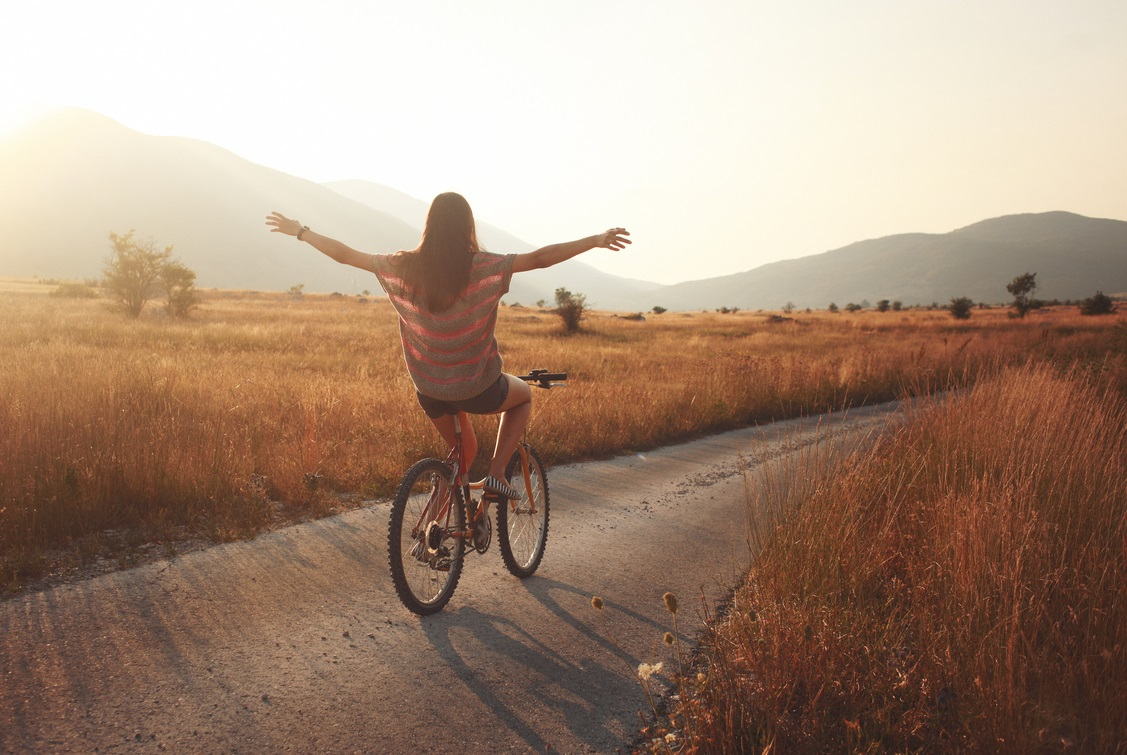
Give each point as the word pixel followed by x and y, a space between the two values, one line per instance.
pixel 267 408
pixel 960 584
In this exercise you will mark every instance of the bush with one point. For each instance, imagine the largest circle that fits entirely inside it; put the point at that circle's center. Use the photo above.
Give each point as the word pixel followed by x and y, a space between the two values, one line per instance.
pixel 571 308
pixel 180 288
pixel 1023 287
pixel 960 308
pixel 1100 304
pixel 74 291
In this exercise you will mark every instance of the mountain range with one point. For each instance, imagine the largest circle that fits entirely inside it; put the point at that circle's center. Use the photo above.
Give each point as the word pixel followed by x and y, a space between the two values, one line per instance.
pixel 1072 255
pixel 69 180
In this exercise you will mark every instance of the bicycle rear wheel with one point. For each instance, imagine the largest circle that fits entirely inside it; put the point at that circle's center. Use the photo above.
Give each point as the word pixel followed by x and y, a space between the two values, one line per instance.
pixel 522 526
pixel 424 555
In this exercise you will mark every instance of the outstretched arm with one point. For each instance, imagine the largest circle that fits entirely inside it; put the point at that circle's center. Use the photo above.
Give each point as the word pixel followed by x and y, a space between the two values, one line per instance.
pixel 332 248
pixel 615 238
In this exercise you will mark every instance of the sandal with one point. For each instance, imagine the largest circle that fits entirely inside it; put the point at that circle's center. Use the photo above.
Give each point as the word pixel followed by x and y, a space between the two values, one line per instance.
pixel 500 488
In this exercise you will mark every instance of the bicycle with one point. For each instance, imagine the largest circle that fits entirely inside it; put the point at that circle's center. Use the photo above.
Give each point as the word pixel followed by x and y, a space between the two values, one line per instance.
pixel 434 517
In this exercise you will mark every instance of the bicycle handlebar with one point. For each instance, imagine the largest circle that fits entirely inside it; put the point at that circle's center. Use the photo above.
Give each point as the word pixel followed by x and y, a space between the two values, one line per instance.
pixel 544 379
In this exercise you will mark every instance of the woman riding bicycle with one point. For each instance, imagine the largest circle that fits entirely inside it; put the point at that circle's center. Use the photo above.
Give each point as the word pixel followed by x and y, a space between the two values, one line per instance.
pixel 446 292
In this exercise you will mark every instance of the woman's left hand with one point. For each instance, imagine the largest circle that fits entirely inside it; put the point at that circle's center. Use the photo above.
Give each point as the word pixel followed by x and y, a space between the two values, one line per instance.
pixel 279 223
pixel 615 239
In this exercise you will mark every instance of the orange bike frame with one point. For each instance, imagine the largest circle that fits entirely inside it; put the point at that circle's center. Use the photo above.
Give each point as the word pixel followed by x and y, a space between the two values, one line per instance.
pixel 441 508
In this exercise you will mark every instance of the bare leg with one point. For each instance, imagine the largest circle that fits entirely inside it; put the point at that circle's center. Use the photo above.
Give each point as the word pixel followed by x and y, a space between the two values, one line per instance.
pixel 445 427
pixel 514 419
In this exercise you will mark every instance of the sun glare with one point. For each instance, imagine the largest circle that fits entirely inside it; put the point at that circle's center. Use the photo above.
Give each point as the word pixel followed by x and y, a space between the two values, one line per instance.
pixel 15 116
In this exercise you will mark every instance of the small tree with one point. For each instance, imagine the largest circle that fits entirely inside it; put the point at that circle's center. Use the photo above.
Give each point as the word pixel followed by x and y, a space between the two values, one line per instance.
pixel 851 307
pixel 659 310
pixel 788 307
pixel 833 307
pixel 1100 304
pixel 180 287
pixel 960 308
pixel 1022 288
pixel 883 305
pixel 132 272
pixel 571 308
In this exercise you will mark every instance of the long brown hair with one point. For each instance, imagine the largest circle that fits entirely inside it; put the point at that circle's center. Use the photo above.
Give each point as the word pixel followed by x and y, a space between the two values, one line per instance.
pixel 439 269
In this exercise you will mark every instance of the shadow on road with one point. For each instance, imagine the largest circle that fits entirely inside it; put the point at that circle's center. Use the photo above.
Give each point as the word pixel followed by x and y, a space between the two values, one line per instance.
pixel 542 589
pixel 581 690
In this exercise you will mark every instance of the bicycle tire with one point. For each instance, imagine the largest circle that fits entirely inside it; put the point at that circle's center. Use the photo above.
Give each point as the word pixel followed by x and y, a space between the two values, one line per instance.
pixel 425 579
pixel 521 533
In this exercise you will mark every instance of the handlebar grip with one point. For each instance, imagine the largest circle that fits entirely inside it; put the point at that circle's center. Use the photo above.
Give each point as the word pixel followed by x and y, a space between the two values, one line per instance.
pixel 543 378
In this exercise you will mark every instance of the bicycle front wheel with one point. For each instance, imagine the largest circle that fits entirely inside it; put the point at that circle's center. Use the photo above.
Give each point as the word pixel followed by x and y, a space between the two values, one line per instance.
pixel 522 526
pixel 423 549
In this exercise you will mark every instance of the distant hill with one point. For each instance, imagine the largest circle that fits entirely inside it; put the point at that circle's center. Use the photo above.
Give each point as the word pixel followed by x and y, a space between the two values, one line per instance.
pixel 69 180
pixel 1073 257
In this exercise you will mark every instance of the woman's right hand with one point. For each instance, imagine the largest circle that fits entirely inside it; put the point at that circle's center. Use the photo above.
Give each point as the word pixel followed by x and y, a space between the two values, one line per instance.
pixel 279 223
pixel 614 238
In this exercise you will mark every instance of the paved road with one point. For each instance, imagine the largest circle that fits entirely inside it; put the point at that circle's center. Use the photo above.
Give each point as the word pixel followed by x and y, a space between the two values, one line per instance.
pixel 296 642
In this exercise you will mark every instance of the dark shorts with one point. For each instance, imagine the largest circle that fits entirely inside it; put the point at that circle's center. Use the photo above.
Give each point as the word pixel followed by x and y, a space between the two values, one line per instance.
pixel 486 402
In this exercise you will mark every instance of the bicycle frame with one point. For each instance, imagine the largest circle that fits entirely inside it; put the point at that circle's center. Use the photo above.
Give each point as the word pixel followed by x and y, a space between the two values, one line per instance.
pixel 438 507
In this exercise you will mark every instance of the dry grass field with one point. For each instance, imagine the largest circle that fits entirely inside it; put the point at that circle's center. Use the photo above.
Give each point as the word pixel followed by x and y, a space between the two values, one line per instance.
pixel 960 585
pixel 265 408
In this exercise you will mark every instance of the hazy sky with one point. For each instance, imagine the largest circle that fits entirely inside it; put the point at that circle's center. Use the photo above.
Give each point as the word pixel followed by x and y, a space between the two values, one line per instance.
pixel 723 134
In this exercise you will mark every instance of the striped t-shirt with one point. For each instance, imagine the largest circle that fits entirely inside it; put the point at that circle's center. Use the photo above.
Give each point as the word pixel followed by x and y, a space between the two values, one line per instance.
pixel 451 355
